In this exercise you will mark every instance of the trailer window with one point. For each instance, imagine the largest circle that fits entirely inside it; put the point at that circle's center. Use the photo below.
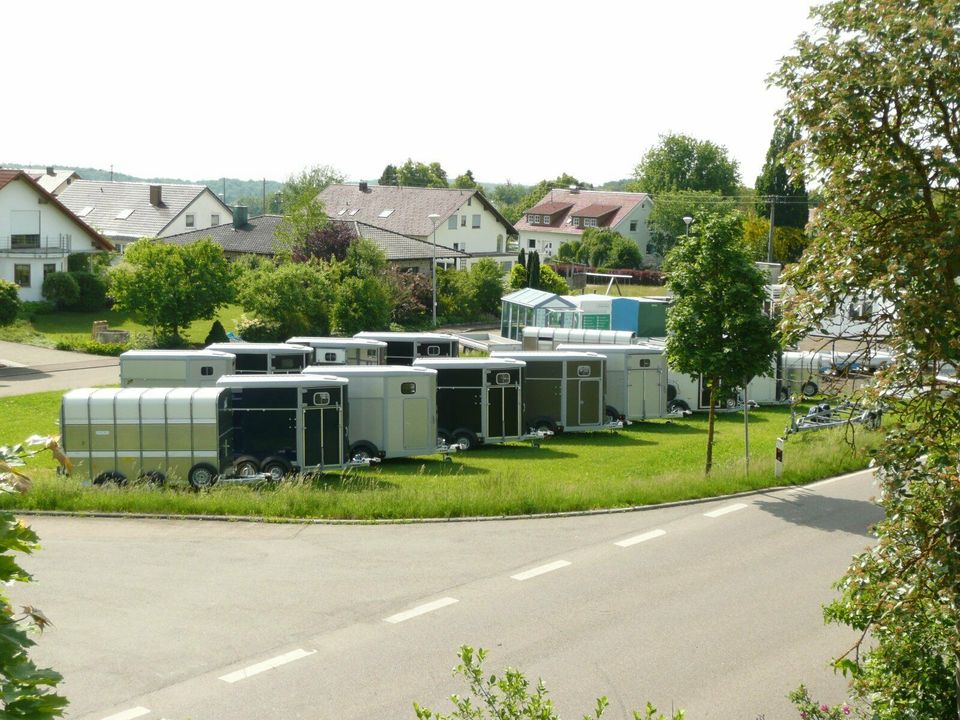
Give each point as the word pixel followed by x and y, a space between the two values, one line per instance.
pixel 433 350
pixel 644 362
pixel 583 371
pixel 287 362
pixel 321 398
pixel 251 362
pixel 206 370
pixel 503 378
pixel 408 388
pixel 330 357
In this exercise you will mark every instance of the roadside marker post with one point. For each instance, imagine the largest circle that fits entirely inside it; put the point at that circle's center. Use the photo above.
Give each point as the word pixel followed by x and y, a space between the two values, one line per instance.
pixel 778 462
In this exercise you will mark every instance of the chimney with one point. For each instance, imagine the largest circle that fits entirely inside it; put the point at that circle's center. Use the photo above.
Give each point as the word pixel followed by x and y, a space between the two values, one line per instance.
pixel 50 170
pixel 364 187
pixel 156 195
pixel 239 216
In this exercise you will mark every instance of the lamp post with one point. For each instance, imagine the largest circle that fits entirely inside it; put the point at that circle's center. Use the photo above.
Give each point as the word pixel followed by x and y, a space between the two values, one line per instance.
pixel 433 217
pixel 687 220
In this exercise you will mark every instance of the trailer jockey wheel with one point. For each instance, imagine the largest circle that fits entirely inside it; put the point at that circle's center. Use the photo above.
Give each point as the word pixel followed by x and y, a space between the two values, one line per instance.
pixel 465 439
pixel 276 467
pixel 202 475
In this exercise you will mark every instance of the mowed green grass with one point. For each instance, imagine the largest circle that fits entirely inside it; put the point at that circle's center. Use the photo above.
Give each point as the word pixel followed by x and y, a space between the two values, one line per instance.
pixel 627 290
pixel 646 463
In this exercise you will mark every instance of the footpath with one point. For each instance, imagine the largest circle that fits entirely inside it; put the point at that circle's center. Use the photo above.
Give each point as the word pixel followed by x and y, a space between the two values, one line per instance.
pixel 28 369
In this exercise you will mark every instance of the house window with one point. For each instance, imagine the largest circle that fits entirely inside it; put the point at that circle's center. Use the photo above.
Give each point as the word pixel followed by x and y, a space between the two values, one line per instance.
pixel 24 229
pixel 499 243
pixel 124 214
pixel 535 219
pixel 532 244
pixel 462 247
pixel 650 249
pixel 452 223
pixel 48 268
pixel 463 221
pixel 386 213
pixel 576 222
pixel 589 222
pixel 24 242
pixel 189 220
pixel 214 220
pixel 469 201
pixel 476 222
pixel 633 226
pixel 21 275
pixel 546 219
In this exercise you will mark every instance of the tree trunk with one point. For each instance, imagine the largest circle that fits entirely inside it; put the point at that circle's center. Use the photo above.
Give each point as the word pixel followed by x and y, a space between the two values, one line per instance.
pixel 713 403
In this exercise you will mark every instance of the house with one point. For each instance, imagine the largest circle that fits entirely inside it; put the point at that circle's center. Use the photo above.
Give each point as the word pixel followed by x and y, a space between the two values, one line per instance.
pixel 37 233
pixel 561 216
pixel 460 219
pixel 53 180
pixel 258 236
pixel 127 211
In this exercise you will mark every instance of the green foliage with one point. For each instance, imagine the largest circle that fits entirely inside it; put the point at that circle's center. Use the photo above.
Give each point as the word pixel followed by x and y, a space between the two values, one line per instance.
pixel 389 176
pixel 874 94
pixel 522 258
pixel 363 303
pixel 77 262
pixel 10 303
pixel 304 218
pixel 508 194
pixel 29 309
pixel 465 181
pixel 455 299
pixel 510 696
pixel 418 174
pixel 411 293
pixel 302 188
pixel 597 246
pixel 518 277
pixel 258 329
pixel 680 162
pixel 94 347
pixel 533 270
pixel 364 259
pixel 169 286
pixel 551 281
pixel 792 206
pixel 624 253
pixel 669 208
pixel 216 335
pixel 287 299
pixel 26 691
pixel 810 710
pixel 716 328
pixel 486 286
pixel 92 292
pixel 61 289
pixel 788 242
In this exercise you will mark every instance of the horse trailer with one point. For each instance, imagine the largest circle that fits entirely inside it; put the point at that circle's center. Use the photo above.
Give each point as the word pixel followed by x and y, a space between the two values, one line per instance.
pixel 636 379
pixel 479 400
pixel 405 347
pixel 343 351
pixel 563 391
pixel 174 368
pixel 548 338
pixel 393 409
pixel 266 358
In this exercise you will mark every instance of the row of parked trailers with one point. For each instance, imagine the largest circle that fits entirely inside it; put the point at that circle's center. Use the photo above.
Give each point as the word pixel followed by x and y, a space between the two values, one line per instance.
pixel 325 417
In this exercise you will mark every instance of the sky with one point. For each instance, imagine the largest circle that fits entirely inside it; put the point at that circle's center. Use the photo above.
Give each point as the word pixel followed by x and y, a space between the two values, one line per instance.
pixel 517 91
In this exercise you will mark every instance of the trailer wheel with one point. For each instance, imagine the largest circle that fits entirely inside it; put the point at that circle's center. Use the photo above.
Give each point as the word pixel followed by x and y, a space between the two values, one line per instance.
pixel 202 475
pixel 276 467
pixel 671 392
pixel 783 395
pixel 363 451
pixel 809 388
pixel 111 476
pixel 443 437
pixel 678 405
pixel 153 477
pixel 545 424
pixel 465 439
pixel 246 466
pixel 611 412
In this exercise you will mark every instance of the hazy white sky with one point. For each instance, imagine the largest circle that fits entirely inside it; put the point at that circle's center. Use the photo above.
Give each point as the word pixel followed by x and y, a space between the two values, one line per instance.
pixel 512 90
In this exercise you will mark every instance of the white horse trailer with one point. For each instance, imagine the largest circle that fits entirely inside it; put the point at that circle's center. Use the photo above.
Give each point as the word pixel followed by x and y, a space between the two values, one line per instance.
pixel 393 409
pixel 174 368
pixel 548 338
pixel 343 351
pixel 636 378
pixel 266 358
pixel 405 347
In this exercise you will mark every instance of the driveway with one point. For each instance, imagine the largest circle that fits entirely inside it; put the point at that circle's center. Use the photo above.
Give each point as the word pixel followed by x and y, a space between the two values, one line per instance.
pixel 28 369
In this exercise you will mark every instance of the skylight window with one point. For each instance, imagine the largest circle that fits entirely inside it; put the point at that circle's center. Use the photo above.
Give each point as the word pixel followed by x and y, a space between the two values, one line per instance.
pixel 86 211
pixel 123 214
pixel 354 211
pixel 341 211
pixel 387 213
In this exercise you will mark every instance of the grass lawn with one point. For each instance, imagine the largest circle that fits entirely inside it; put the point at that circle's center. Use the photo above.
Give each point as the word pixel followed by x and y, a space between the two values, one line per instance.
pixel 626 290
pixel 646 463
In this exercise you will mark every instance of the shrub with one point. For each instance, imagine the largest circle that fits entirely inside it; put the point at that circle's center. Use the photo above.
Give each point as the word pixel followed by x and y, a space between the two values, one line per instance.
pixel 362 304
pixel 9 302
pixel 78 262
pixel 93 292
pixel 62 289
pixel 216 334
pixel 93 347
pixel 29 309
pixel 257 329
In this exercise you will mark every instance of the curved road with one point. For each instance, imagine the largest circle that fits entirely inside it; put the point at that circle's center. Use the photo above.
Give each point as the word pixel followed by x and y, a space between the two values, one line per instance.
pixel 713 607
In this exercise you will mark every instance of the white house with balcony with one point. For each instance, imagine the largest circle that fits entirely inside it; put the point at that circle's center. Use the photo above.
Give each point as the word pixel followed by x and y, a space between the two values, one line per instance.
pixel 562 215
pixel 462 220
pixel 37 233
pixel 128 211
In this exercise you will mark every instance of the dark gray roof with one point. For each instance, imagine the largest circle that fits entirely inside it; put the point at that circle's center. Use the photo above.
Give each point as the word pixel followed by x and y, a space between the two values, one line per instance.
pixel 257 237
pixel 108 199
pixel 411 206
pixel 400 247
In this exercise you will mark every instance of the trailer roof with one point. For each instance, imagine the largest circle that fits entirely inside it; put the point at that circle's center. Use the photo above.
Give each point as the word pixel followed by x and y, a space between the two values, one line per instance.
pixel 107 393
pixel 288 380
pixel 344 342
pixel 611 348
pixel 534 355
pixel 253 348
pixel 373 370
pixel 469 363
pixel 174 354
pixel 404 335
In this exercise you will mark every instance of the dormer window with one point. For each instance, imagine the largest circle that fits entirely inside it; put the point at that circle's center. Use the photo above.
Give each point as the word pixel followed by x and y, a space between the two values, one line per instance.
pixel 546 219
pixel 576 222
pixel 534 219
pixel 589 222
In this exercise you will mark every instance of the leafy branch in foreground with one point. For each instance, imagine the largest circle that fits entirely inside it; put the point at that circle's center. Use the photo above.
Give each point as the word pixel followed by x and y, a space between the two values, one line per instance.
pixel 509 697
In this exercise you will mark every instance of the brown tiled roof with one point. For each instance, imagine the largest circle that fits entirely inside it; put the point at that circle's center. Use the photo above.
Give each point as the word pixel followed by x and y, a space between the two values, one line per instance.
pixel 623 202
pixel 596 210
pixel 550 208
pixel 8 176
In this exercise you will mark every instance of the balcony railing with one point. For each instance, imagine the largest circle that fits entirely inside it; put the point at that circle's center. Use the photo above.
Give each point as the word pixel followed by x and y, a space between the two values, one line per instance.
pixel 45 246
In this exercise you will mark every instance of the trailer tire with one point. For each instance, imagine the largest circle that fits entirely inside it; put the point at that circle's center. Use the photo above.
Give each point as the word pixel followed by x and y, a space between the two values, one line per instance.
pixel 676 405
pixel 246 466
pixel 545 424
pixel 809 388
pixel 363 451
pixel 783 394
pixel 611 412
pixel 276 467
pixel 202 475
pixel 111 476
pixel 465 439
pixel 153 477
pixel 443 437
pixel 671 392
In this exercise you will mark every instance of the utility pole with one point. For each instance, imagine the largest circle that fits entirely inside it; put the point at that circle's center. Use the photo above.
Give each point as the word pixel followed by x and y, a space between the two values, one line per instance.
pixel 773 201
pixel 263 204
pixel 746 428
pixel 224 191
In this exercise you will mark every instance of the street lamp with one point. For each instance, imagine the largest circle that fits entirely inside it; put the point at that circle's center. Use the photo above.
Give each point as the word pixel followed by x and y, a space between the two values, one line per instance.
pixel 687 220
pixel 433 217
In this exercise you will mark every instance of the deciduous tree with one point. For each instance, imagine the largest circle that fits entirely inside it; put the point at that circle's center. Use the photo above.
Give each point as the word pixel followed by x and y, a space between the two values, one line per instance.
pixel 389 176
pixel 680 162
pixel 418 174
pixel 292 298
pixel 466 181
pixel 307 184
pixel 792 203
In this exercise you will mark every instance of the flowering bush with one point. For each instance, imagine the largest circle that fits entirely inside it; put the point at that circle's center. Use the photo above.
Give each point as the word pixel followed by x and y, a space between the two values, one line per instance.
pixel 810 710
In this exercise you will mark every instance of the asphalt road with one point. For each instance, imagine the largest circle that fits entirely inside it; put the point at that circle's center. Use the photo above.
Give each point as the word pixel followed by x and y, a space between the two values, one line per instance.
pixel 29 369
pixel 712 607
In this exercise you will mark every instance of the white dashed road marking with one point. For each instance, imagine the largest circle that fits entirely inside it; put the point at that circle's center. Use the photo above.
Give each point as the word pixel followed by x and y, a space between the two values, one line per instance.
pixel 724 510
pixel 636 539
pixel 266 665
pixel 421 610
pixel 129 714
pixel 533 572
